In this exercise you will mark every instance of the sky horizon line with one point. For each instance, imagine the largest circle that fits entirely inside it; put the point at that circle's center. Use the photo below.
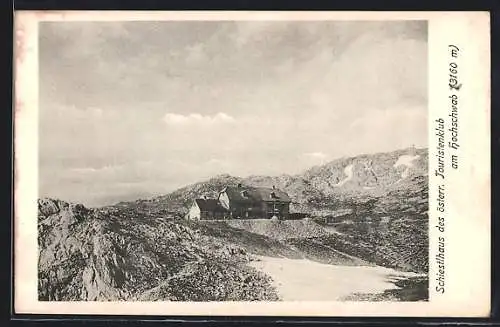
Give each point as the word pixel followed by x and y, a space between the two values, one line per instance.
pixel 155 195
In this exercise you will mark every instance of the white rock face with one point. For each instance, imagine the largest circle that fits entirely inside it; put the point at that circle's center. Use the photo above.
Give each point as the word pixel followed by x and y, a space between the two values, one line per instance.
pixel 349 172
pixel 405 160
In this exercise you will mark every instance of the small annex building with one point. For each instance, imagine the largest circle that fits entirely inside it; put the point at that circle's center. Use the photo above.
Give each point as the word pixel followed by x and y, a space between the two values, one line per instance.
pixel 206 209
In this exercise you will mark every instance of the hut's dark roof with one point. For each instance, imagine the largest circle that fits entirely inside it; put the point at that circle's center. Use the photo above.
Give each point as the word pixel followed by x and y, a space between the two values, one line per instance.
pixel 209 205
pixel 251 194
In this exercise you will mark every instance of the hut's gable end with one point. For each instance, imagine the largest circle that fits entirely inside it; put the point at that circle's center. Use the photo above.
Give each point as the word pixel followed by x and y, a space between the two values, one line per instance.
pixel 224 200
pixel 194 211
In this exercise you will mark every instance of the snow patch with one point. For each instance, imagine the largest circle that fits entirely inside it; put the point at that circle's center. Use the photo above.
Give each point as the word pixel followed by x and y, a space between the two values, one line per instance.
pixel 349 172
pixel 405 160
pixel 305 280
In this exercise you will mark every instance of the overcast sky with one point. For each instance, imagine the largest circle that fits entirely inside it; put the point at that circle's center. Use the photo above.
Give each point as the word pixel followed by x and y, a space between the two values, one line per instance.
pixel 132 109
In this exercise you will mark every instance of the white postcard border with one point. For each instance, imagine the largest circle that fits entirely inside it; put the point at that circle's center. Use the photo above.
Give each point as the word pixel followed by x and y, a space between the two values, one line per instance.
pixel 467 217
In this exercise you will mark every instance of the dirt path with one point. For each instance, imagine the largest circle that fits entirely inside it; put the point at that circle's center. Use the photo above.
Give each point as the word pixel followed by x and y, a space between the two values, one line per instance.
pixel 305 280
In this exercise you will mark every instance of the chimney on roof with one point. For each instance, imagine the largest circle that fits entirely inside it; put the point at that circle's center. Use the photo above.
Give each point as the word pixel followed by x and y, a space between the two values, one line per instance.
pixel 239 185
pixel 205 196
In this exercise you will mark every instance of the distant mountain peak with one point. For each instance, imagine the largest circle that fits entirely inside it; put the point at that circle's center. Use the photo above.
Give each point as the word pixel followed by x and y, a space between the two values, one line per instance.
pixel 321 188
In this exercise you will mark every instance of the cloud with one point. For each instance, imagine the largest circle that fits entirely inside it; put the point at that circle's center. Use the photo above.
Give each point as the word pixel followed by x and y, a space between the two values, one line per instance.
pixel 317 155
pixel 93 170
pixel 196 119
pixel 196 54
pixel 216 162
pixel 313 158
pixel 248 32
pixel 393 129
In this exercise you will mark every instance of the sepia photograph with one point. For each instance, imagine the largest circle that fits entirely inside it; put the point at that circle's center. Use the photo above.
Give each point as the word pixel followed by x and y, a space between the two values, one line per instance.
pixel 240 160
pixel 233 161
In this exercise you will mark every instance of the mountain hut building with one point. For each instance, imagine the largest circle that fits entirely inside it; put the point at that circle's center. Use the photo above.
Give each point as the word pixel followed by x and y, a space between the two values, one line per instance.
pixel 242 202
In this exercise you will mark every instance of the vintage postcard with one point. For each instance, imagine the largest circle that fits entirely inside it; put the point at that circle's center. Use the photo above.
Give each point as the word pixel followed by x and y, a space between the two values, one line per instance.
pixel 252 163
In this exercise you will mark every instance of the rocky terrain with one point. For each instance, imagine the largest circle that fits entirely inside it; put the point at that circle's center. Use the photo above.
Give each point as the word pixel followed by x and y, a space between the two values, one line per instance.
pixel 379 202
pixel 364 210
pixel 90 254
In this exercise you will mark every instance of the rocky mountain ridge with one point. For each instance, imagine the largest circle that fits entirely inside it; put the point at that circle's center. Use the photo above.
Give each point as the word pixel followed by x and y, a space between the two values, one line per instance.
pixel 323 190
